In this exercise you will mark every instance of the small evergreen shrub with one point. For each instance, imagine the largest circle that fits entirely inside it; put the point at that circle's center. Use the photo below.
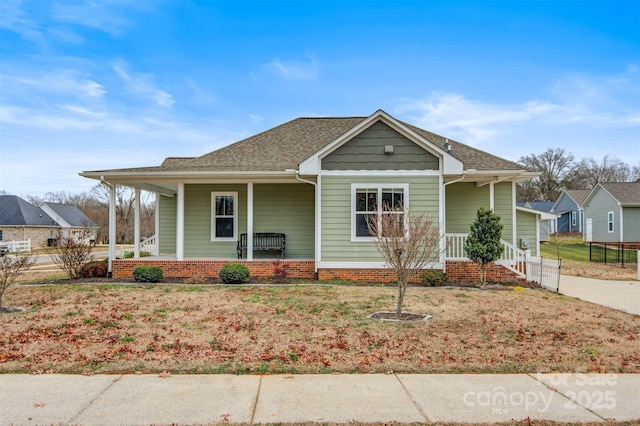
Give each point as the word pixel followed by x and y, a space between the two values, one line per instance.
pixel 148 274
pixel 234 273
pixel 95 268
pixel 433 278
pixel 129 254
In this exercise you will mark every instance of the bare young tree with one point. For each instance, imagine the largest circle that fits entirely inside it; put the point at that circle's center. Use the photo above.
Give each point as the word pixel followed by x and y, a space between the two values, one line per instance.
pixel 408 243
pixel 72 252
pixel 11 266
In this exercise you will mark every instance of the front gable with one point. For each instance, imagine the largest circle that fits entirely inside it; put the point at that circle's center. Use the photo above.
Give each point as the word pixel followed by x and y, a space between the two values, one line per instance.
pixel 380 147
pixel 369 139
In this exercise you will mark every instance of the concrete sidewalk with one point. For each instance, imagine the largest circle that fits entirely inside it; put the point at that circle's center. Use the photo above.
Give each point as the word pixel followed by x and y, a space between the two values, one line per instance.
pixel 207 399
pixel 622 295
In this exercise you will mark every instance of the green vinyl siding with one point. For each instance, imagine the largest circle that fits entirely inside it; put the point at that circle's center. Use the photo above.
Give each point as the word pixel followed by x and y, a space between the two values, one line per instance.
pixel 366 151
pixel 336 213
pixel 526 230
pixel 631 224
pixel 597 209
pixel 503 207
pixel 167 225
pixel 288 209
pixel 462 202
pixel 197 221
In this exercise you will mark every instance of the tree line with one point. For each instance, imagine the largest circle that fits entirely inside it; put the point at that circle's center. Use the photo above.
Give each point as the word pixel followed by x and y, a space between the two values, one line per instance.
pixel 95 204
pixel 561 171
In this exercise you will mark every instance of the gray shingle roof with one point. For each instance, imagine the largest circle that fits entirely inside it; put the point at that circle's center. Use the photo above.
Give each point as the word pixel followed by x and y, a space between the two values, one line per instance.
pixel 287 145
pixel 72 215
pixel 578 195
pixel 17 212
pixel 624 192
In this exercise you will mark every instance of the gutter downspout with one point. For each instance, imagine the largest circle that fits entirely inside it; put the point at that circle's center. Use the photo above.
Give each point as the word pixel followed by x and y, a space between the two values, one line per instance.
pixel 316 220
pixel 443 245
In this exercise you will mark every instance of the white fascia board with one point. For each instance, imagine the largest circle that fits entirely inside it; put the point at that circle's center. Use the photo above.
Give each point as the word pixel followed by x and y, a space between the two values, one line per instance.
pixel 543 215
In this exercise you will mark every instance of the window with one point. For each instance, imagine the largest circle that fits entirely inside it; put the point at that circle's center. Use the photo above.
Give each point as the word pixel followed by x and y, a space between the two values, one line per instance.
pixel 1 236
pixel 610 221
pixel 573 219
pixel 224 216
pixel 371 201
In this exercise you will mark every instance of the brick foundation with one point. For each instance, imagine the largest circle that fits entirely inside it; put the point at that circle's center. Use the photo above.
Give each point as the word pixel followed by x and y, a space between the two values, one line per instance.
pixel 123 268
pixel 461 271
pixel 457 271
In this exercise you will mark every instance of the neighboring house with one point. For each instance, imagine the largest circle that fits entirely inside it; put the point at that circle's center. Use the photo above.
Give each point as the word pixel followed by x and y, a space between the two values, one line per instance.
pixel 317 180
pixel 23 221
pixel 547 222
pixel 568 206
pixel 612 213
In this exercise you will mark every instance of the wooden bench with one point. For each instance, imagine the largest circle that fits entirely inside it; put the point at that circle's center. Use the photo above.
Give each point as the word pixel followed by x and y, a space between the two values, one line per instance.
pixel 263 241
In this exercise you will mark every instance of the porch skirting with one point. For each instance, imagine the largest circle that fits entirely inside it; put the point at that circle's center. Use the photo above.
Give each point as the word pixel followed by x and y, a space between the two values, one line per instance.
pixel 457 271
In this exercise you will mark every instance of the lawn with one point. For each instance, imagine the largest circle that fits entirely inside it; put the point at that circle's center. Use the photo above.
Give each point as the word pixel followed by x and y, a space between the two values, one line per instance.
pixel 308 329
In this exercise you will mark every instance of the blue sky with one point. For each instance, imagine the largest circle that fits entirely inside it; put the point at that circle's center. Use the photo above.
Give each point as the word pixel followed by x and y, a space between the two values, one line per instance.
pixel 88 85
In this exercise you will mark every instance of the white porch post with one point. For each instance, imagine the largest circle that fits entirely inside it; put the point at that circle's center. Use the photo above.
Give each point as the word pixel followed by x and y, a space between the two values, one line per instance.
pixel 250 221
pixel 492 198
pixel 112 227
pixel 442 214
pixel 514 227
pixel 157 224
pixel 136 224
pixel 180 223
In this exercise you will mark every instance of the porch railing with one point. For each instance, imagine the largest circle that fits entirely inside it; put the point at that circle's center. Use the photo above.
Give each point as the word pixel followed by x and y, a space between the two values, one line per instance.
pixel 512 257
pixel 149 245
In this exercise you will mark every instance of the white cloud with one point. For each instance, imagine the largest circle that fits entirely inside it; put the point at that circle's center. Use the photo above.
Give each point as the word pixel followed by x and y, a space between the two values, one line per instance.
pixel 295 70
pixel 64 82
pixel 141 84
pixel 589 102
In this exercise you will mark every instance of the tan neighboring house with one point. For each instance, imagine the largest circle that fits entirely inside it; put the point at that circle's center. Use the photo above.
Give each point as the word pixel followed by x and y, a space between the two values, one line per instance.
pixel 23 221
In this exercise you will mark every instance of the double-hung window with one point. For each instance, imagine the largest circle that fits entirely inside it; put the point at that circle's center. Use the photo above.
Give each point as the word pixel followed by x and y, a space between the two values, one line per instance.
pixel 573 219
pixel 610 221
pixel 224 216
pixel 374 203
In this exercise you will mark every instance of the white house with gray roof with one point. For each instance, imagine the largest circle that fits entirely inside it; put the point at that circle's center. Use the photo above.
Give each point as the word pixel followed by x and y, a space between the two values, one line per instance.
pixel 313 182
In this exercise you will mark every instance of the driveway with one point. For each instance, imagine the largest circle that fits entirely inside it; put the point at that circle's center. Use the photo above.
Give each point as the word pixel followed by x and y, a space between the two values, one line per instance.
pixel 622 295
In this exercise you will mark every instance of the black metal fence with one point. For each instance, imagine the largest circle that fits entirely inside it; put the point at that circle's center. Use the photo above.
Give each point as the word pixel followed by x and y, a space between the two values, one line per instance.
pixel 619 253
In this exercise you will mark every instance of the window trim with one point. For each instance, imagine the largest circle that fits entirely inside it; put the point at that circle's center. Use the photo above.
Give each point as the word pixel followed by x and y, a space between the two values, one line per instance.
pixel 379 187
pixel 234 238
pixel 573 218
pixel 611 222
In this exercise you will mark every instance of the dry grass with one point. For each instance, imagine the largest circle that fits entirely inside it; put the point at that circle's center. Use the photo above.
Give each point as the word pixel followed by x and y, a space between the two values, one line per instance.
pixel 599 270
pixel 202 329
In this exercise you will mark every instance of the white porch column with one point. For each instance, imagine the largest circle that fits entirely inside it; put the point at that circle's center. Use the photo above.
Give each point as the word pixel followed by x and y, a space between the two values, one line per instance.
pixel 112 227
pixel 157 224
pixel 514 227
pixel 492 197
pixel 250 221
pixel 180 222
pixel 136 225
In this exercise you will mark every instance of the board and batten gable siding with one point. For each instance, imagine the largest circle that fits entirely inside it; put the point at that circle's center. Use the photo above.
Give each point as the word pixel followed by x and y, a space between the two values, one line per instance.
pixel 526 230
pixel 631 217
pixel 167 225
pixel 597 209
pixel 287 209
pixel 336 213
pixel 366 151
